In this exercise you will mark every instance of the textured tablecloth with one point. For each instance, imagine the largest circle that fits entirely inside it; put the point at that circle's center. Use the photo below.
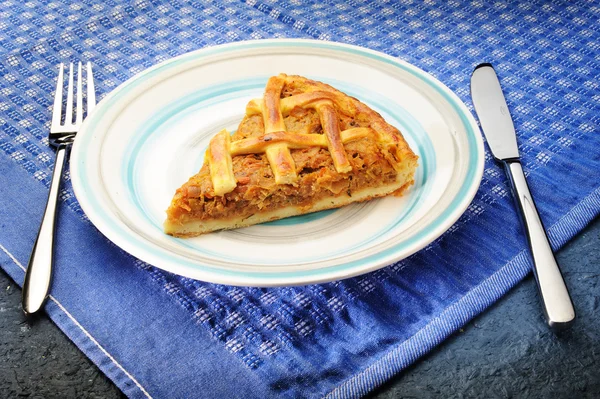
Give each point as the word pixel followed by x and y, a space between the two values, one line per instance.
pixel 160 335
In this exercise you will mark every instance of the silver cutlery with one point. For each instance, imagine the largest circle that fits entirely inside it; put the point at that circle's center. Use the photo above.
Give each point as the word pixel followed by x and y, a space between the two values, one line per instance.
pixel 499 131
pixel 39 269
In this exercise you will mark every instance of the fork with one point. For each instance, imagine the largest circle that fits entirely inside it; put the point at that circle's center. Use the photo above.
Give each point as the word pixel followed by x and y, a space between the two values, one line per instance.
pixel 39 270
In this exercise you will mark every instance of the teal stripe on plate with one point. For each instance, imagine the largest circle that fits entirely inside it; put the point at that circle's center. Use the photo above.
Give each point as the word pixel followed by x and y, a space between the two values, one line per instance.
pixel 207 97
pixel 117 232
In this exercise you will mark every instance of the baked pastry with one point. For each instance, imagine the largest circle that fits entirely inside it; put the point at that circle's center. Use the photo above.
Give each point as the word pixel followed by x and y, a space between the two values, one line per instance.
pixel 302 148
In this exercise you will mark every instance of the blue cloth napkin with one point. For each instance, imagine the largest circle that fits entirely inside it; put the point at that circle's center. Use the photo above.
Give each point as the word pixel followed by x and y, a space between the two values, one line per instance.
pixel 160 335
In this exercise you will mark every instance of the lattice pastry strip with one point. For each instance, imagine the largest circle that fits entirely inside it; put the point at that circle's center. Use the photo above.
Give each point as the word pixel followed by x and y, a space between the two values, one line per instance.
pixel 278 154
pixel 220 162
pixel 277 142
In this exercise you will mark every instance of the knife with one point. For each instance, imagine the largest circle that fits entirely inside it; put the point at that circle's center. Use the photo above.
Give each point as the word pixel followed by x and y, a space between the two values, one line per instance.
pixel 499 131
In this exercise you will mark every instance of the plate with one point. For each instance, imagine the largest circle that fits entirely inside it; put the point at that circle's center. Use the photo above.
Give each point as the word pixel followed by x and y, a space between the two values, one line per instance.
pixel 149 136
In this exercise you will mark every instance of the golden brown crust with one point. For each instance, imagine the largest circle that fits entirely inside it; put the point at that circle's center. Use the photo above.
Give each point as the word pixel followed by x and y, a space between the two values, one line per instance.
pixel 303 143
pixel 331 129
pixel 219 161
pixel 192 228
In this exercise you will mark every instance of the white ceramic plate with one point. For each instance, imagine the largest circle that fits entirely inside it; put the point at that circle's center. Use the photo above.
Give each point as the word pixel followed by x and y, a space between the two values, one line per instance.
pixel 149 136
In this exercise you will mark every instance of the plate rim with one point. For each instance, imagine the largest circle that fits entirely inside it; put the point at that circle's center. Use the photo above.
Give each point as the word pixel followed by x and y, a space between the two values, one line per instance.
pixel 384 258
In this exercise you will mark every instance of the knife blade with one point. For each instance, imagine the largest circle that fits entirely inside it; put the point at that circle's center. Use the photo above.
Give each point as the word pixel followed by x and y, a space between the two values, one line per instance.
pixel 498 128
pixel 493 113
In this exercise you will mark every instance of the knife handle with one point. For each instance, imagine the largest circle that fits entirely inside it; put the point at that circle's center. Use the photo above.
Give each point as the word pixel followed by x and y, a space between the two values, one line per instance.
pixel 556 301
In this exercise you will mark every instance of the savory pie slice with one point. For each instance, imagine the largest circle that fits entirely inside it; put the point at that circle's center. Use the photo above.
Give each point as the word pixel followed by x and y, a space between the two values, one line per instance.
pixel 302 148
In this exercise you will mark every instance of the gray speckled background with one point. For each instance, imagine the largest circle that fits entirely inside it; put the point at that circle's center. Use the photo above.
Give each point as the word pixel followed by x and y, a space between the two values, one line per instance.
pixel 508 352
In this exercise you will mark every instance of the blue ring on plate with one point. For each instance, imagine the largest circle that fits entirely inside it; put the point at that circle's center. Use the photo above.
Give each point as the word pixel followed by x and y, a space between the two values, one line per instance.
pixel 211 95
pixel 475 161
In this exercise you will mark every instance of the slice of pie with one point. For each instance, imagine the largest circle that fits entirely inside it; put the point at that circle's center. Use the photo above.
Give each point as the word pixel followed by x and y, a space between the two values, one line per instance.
pixel 302 148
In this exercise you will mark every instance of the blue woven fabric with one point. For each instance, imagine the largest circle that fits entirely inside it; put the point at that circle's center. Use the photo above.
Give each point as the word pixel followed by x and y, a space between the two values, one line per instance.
pixel 160 335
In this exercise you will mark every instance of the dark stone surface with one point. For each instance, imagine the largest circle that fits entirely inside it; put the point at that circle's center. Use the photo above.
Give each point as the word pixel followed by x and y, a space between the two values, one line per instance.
pixel 509 352
pixel 38 360
pixel 506 352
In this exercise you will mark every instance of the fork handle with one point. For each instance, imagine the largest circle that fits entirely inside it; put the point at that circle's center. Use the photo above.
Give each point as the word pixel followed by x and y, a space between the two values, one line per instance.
pixel 39 270
pixel 554 295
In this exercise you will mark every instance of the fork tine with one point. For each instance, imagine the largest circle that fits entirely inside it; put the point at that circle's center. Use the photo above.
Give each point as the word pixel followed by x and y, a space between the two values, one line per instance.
pixel 56 110
pixel 91 91
pixel 69 109
pixel 79 109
